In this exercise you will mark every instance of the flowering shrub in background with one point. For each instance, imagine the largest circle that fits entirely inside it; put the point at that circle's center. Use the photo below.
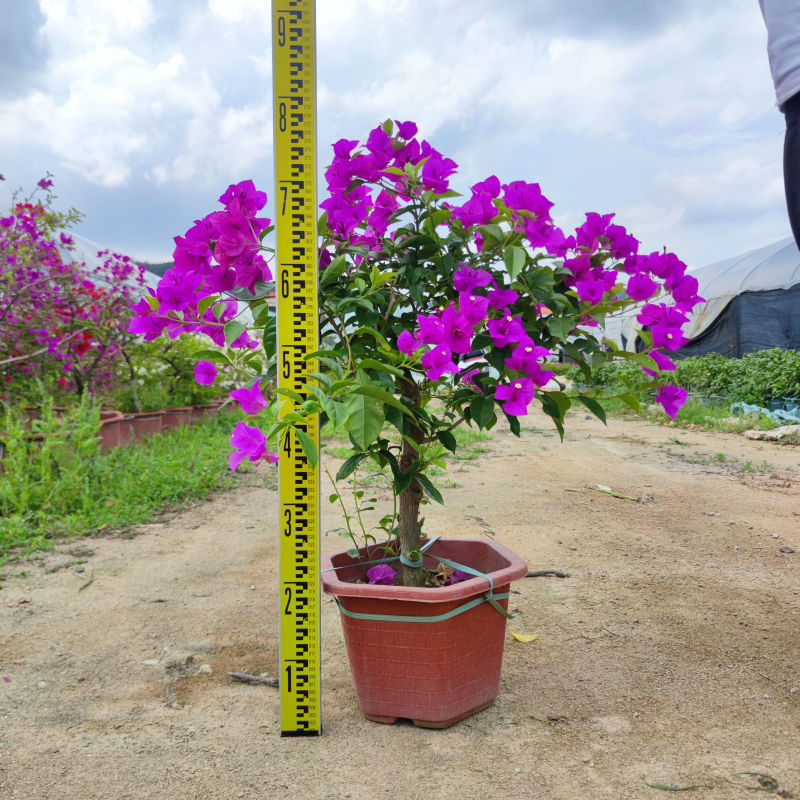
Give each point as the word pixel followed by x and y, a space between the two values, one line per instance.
pixel 57 315
pixel 414 278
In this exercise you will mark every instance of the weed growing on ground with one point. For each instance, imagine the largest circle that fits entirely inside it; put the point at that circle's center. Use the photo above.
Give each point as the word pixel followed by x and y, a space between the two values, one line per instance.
pixel 63 486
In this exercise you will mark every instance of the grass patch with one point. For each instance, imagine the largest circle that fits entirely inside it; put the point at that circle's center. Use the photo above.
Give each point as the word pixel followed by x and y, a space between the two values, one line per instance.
pixel 65 487
pixel 694 414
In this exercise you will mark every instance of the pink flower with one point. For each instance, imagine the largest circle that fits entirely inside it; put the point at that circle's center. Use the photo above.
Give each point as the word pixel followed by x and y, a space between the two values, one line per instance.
pixel 517 396
pixel 406 343
pixel 438 361
pixel 381 574
pixel 671 398
pixel 205 373
pixel 508 330
pixel 664 364
pixel 251 400
pixel 248 442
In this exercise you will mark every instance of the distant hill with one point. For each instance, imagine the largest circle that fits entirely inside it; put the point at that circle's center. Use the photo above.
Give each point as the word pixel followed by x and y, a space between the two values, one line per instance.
pixel 157 269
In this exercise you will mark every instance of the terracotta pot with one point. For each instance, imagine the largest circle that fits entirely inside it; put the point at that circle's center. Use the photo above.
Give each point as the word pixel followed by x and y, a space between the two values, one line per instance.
pixel 142 424
pixel 204 410
pixel 175 417
pixel 433 673
pixel 110 422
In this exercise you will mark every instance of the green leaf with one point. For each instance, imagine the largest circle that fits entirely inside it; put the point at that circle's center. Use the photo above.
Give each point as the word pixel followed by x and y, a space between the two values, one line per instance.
pixel 333 271
pixel 397 419
pixel 371 390
pixel 217 356
pixel 205 304
pixel 631 400
pixel 270 337
pixel 513 424
pixel 371 363
pixel 493 235
pixel 233 330
pixel 594 407
pixel 337 412
pixel 309 448
pixel 364 420
pixel 553 409
pixel 350 466
pixel 515 258
pixel 448 440
pixel 482 410
pixel 402 480
pixel 429 489
pixel 560 327
pixel 290 393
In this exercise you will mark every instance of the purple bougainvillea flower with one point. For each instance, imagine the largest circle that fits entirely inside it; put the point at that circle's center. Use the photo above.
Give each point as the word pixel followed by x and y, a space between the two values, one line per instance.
pixel 44 183
pixel 251 400
pixel 248 442
pixel 525 358
pixel 176 291
pixel 456 576
pixel 665 364
pixel 381 574
pixel 457 334
pixel 205 373
pixel 640 287
pixel 591 290
pixel 436 171
pixel 406 130
pixel 244 198
pixel 473 307
pixel 431 329
pixel 145 322
pixel 406 343
pixel 343 147
pixel 507 330
pixel 500 298
pixel 438 361
pixel 468 279
pixel 671 398
pixel 517 396
pixel 468 379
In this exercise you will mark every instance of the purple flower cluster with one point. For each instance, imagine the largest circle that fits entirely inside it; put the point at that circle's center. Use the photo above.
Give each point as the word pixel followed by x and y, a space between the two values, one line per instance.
pixel 368 184
pixel 218 254
pixel 58 311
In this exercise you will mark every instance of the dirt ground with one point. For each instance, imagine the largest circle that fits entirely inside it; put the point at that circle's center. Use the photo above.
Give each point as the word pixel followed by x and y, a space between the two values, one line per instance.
pixel 669 656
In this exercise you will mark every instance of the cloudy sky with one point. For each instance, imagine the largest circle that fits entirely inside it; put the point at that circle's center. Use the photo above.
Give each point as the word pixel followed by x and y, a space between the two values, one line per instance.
pixel 659 110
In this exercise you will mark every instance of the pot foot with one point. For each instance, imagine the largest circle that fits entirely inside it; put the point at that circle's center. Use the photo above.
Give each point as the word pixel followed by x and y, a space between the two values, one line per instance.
pixel 378 718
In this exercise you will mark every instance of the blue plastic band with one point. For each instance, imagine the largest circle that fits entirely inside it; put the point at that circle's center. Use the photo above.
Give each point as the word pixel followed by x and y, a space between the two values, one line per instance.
pixel 418 563
pixel 434 617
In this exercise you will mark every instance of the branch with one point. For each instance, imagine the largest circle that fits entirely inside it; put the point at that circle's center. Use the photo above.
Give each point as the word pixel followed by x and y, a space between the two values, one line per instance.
pixel 246 677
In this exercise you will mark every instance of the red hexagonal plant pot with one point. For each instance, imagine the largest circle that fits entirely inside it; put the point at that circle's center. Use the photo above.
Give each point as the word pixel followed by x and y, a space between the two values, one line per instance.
pixel 434 673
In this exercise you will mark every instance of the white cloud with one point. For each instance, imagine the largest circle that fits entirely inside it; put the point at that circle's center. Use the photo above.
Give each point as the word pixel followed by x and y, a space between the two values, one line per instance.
pixel 668 116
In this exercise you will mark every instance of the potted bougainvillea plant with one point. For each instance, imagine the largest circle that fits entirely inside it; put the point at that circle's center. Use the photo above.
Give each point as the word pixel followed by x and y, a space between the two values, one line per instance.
pixel 437 309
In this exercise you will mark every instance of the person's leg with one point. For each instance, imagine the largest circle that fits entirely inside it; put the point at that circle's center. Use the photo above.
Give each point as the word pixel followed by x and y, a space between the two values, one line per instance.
pixel 791 163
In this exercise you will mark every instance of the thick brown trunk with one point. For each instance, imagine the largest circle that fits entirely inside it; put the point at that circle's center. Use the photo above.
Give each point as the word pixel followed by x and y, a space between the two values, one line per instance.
pixel 409 525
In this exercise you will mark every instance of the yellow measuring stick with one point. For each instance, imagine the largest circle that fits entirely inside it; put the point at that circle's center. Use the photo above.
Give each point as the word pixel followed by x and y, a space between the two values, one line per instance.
pixel 294 76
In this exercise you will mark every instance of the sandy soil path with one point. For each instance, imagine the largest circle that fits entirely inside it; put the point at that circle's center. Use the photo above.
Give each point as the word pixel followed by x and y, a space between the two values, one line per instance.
pixel 671 654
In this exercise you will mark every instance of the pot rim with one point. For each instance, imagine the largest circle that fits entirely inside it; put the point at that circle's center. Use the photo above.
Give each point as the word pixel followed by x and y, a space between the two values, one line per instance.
pixel 514 569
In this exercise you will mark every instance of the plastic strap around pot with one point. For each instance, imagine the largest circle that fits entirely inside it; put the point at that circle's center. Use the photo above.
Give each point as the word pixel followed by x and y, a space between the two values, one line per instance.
pixel 490 596
pixel 435 617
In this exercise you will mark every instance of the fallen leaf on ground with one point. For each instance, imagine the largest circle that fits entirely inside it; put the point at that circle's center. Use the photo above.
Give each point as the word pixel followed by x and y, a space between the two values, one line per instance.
pixel 524 637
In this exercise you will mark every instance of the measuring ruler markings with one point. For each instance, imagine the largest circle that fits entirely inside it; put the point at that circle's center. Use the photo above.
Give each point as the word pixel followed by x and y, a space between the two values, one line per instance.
pixel 294 76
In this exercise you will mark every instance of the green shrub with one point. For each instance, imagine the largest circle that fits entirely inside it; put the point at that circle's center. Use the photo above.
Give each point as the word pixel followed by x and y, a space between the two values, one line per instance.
pixel 756 378
pixel 56 483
